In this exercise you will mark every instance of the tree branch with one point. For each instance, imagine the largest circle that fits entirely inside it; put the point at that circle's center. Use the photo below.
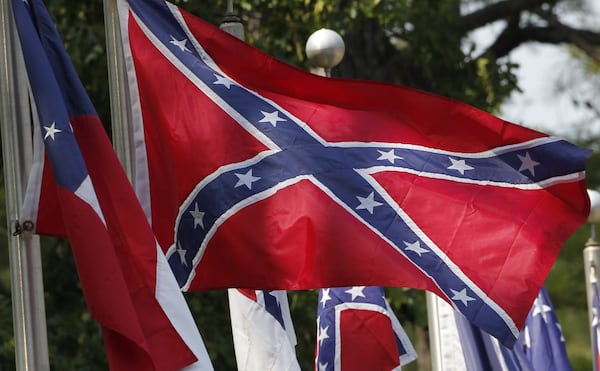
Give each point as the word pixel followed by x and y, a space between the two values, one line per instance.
pixel 587 41
pixel 496 11
pixel 556 33
pixel 511 37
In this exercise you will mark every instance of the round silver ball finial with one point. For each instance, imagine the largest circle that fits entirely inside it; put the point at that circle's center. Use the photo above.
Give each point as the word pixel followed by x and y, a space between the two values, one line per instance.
pixel 594 216
pixel 325 48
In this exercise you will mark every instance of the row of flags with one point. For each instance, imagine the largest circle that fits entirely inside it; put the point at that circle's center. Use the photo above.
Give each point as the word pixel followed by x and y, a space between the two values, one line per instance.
pixel 259 167
pixel 252 174
pixel 541 345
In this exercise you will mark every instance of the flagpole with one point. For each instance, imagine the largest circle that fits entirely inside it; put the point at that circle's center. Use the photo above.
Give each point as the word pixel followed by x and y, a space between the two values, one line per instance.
pixel 325 49
pixel 435 341
pixel 231 22
pixel 122 135
pixel 591 252
pixel 27 291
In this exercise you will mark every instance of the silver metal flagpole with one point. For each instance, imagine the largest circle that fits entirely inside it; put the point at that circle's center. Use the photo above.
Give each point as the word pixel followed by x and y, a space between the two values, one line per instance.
pixel 120 102
pixel 435 341
pixel 591 252
pixel 231 22
pixel 29 320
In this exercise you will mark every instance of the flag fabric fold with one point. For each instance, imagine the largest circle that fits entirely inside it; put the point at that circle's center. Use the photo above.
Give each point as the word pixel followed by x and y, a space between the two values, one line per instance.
pixel 263 332
pixel 357 330
pixel 274 178
pixel 86 197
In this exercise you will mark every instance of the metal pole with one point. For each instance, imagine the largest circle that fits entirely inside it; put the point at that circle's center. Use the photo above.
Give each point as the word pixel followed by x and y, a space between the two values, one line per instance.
pixel 435 345
pixel 29 321
pixel 591 264
pixel 231 23
pixel 229 6
pixel 591 253
pixel 119 95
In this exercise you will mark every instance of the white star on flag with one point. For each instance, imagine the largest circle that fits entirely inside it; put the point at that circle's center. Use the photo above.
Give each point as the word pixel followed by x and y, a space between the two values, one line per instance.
pixel 223 81
pixel 368 203
pixel 246 179
pixel 272 118
pixel 527 163
pixel 51 131
pixel 459 165
pixel 540 308
pixel 179 43
pixel 181 253
pixel 356 291
pixel 389 156
pixel 322 334
pixel 325 297
pixel 323 366
pixel 462 296
pixel 198 216
pixel 415 247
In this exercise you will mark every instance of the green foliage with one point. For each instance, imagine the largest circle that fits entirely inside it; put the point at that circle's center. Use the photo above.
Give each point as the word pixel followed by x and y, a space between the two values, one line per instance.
pixel 592 175
pixel 303 309
pixel 575 328
pixel 385 40
pixel 81 27
pixel 7 342
pixel 211 312
pixel 74 338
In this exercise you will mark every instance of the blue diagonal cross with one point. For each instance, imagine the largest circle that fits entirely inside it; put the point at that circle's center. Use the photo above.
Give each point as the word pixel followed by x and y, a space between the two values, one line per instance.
pixel 341 170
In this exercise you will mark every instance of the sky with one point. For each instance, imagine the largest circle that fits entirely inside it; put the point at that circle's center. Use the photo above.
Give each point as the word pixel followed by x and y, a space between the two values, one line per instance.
pixel 549 78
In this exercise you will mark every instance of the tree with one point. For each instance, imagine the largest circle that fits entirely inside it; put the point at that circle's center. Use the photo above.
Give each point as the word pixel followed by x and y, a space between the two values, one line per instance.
pixel 419 44
pixel 423 44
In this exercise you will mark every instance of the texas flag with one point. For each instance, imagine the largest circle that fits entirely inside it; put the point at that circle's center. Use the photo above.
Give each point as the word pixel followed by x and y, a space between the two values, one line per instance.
pixel 262 176
pixel 357 330
pixel 84 195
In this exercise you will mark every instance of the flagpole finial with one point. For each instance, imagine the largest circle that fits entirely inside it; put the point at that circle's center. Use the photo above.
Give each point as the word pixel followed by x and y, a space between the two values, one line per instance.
pixel 232 23
pixel 325 48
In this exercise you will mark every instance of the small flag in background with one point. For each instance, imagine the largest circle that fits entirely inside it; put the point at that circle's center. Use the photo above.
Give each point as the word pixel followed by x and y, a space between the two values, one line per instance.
pixel 540 347
pixel 357 330
pixel 274 178
pixel 128 286
pixel 541 339
pixel 263 333
pixel 480 351
pixel 595 323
